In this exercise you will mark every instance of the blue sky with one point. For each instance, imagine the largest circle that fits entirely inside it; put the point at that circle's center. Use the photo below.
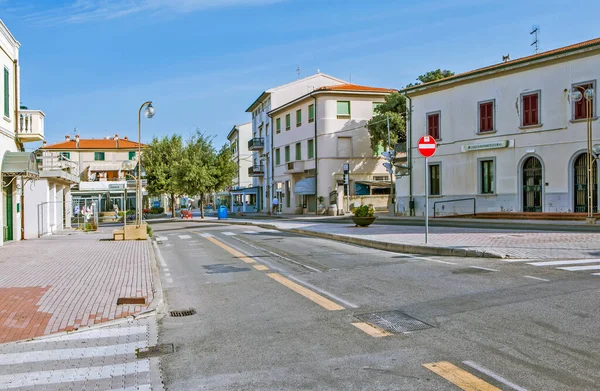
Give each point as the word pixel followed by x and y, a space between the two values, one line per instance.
pixel 90 64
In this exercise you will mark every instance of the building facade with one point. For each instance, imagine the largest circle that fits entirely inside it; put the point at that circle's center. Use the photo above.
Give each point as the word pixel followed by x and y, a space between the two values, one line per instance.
pixel 262 125
pixel 511 136
pixel 317 134
pixel 242 195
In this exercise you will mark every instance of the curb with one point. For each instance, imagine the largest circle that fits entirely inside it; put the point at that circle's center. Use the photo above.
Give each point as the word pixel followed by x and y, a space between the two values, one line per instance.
pixel 157 304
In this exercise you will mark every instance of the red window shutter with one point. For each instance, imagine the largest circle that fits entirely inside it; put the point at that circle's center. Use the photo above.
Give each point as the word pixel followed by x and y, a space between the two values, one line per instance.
pixel 433 126
pixel 486 120
pixel 436 120
pixel 534 109
pixel 526 111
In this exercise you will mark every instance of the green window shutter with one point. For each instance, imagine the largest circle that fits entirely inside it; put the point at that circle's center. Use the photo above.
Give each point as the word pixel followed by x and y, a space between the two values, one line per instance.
pixel 65 155
pixel 6 95
pixel 343 108
pixel 131 155
pixel 298 151
pixel 311 149
pixel 277 156
pixel 99 156
pixel 298 117
pixel 311 113
pixel 287 122
pixel 287 153
pixel 278 121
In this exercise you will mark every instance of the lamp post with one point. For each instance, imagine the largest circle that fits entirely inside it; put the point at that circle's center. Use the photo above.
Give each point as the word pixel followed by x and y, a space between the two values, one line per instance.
pixel 579 93
pixel 127 165
pixel 149 113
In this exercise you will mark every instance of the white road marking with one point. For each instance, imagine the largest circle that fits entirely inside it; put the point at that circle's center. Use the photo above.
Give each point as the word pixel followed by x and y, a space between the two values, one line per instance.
pixel 206 235
pixel 167 274
pixel 166 269
pixel 168 245
pixel 595 274
pixel 484 268
pixel 95 334
pixel 161 260
pixel 31 379
pixel 560 263
pixel 324 292
pixel 185 237
pixel 580 268
pixel 536 278
pixel 170 280
pixel 229 233
pixel 67 354
pixel 250 232
pixel 162 238
pixel 494 376
pixel 423 258
pixel 270 231
pixel 516 260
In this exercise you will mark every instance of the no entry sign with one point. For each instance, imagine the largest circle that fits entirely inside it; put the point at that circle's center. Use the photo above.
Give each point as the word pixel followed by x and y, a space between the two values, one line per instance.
pixel 427 146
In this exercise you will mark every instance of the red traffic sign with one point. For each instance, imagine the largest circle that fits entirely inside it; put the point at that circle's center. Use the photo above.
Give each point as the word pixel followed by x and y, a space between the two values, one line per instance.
pixel 427 146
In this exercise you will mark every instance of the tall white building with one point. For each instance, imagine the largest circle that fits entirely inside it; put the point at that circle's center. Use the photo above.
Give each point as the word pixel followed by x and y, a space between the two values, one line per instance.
pixel 510 136
pixel 243 195
pixel 262 125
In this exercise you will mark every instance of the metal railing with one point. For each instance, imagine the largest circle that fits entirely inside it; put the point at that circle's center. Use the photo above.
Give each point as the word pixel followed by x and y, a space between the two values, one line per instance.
pixel 56 161
pixel 256 142
pixel 457 200
pixel 256 170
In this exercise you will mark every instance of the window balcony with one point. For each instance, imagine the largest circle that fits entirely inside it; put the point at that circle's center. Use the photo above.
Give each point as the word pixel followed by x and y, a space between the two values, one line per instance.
pixel 31 125
pixel 256 144
pixel 256 171
pixel 295 167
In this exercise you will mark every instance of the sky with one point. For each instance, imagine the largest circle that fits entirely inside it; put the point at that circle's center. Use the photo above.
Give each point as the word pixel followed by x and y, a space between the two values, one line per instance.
pixel 90 64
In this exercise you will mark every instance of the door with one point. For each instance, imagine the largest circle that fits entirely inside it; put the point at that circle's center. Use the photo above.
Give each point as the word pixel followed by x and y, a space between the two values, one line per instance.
pixel 8 231
pixel 532 185
pixel 580 184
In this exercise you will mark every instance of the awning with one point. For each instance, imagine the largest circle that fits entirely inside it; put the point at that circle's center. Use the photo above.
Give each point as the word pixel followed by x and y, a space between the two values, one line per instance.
pixel 305 186
pixel 247 190
pixel 105 167
pixel 374 183
pixel 20 164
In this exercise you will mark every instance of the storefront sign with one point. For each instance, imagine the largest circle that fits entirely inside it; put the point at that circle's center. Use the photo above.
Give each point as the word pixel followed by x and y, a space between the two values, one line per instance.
pixel 488 145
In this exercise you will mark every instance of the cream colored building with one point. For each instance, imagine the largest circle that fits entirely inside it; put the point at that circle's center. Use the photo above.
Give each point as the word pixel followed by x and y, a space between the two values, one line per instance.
pixel 318 133
pixel 510 136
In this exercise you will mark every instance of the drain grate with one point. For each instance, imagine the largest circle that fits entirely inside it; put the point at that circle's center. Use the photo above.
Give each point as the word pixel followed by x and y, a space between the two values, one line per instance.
pixel 394 321
pixel 219 269
pixel 156 350
pixel 181 313
pixel 131 300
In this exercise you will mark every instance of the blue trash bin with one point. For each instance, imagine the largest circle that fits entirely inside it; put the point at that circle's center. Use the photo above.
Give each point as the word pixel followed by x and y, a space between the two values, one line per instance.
pixel 222 214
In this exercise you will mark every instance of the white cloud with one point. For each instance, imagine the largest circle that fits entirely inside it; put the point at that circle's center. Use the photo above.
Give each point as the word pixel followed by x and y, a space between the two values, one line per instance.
pixel 80 11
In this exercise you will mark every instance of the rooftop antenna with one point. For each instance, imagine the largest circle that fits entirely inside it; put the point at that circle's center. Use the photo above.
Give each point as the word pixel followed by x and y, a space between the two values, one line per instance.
pixel 535 30
pixel 298 71
pixel 506 58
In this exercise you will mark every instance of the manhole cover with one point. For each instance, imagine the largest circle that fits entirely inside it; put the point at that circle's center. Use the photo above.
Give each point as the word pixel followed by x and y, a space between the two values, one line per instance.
pixel 182 313
pixel 156 350
pixel 218 269
pixel 470 270
pixel 131 300
pixel 394 322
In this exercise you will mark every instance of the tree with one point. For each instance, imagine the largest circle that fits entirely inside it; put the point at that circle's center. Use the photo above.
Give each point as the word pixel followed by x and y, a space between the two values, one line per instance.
pixel 394 107
pixel 161 160
pixel 430 76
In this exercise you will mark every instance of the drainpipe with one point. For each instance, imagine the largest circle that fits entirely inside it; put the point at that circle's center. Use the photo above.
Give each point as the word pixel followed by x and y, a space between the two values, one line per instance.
pixel 316 160
pixel 409 159
pixel 19 145
pixel 272 164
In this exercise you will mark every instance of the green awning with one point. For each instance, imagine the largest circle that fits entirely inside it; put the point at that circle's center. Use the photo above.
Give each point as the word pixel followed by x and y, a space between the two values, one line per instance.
pixel 20 164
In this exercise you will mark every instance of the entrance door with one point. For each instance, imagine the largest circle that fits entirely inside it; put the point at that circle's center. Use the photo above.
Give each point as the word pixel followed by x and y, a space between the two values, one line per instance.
pixel 8 232
pixel 532 185
pixel 580 183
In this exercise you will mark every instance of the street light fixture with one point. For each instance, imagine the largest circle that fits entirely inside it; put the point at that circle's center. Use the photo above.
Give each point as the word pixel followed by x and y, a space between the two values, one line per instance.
pixel 149 113
pixel 588 94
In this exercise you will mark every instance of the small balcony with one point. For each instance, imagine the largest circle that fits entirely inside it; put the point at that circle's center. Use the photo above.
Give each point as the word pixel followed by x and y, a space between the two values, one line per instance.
pixel 31 125
pixel 295 167
pixel 256 144
pixel 256 170
pixel 54 165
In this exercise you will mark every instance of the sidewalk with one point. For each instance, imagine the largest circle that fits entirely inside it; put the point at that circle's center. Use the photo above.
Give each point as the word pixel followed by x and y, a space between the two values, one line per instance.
pixel 64 282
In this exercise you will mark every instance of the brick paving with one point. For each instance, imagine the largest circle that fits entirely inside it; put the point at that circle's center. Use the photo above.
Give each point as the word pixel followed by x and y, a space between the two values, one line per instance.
pixel 65 282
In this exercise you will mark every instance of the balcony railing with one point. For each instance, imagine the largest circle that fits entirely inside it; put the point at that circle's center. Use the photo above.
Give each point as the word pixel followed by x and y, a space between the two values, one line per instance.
pixel 57 162
pixel 31 125
pixel 256 143
pixel 258 170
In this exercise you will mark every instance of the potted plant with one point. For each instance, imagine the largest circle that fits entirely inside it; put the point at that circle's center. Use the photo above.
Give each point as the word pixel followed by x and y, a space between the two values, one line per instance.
pixel 321 201
pixel 364 215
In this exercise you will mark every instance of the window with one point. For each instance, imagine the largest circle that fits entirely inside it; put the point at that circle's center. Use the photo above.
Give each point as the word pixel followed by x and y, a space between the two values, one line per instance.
pixel 278 125
pixel 64 155
pixel 287 153
pixel 288 196
pixel 345 146
pixel 278 156
pixel 298 118
pixel 433 125
pixel 311 149
pixel 434 179
pixel 287 122
pixel 99 156
pixel 311 113
pixel 530 109
pixel 375 106
pixel 133 153
pixel 233 147
pixel 486 176
pixel 486 116
pixel 298 151
pixel 6 95
pixel 580 108
pixel 343 109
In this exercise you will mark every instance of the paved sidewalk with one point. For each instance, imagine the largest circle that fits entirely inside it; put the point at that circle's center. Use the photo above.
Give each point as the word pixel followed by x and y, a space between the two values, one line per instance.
pixel 65 282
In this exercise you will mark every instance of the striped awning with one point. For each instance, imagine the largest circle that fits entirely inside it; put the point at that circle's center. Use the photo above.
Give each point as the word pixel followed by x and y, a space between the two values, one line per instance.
pixel 20 164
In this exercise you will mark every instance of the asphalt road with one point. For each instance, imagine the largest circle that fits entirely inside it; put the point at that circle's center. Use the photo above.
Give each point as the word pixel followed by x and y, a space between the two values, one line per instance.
pixel 282 311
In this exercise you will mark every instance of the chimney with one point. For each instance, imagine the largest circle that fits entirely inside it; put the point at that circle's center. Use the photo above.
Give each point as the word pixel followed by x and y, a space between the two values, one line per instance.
pixel 45 143
pixel 117 140
pixel 76 141
pixel 125 138
pixel 67 138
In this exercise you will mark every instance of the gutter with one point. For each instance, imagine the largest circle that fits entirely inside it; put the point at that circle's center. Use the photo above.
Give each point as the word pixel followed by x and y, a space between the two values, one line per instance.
pixel 411 202
pixel 316 159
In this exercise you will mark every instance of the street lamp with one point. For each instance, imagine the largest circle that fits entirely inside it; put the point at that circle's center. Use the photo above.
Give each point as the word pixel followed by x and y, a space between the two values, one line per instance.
pixel 588 94
pixel 127 165
pixel 149 113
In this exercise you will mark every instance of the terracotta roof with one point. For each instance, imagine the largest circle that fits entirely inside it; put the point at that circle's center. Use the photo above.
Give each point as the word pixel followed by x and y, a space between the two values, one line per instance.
pixel 354 87
pixel 94 144
pixel 526 59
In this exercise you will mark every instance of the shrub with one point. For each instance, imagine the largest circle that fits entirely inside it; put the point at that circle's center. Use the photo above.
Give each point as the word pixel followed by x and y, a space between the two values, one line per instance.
pixel 156 210
pixel 149 230
pixel 364 211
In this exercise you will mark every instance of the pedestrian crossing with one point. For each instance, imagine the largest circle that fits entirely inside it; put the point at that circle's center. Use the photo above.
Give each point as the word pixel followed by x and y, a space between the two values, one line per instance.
pixel 165 238
pixel 94 359
pixel 570 265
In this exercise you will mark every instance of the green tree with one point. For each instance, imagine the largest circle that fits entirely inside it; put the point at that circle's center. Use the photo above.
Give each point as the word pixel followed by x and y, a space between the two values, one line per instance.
pixel 394 107
pixel 430 76
pixel 161 161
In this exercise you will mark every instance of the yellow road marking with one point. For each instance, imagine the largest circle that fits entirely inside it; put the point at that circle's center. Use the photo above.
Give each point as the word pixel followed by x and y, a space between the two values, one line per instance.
pixel 320 300
pixel 459 377
pixel 371 330
pixel 261 267
pixel 231 251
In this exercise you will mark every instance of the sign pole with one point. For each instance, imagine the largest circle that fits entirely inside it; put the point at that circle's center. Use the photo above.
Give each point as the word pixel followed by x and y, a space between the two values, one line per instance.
pixel 426 199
